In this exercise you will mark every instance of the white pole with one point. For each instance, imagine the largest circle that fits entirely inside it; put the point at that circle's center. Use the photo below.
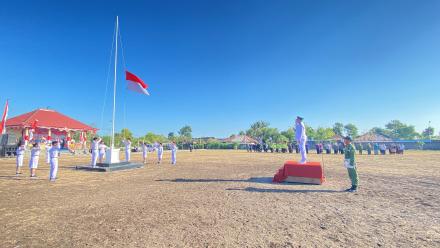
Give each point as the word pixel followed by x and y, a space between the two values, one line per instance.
pixel 114 86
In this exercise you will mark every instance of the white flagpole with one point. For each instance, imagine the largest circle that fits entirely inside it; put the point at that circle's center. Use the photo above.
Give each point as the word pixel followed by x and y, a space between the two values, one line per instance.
pixel 114 85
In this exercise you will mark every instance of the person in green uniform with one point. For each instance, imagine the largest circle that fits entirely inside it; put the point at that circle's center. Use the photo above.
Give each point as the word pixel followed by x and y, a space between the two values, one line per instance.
pixel 350 164
pixel 361 148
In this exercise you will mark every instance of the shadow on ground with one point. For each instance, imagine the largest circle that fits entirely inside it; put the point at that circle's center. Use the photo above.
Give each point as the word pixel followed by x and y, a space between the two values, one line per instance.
pixel 218 180
pixel 251 189
pixel 21 177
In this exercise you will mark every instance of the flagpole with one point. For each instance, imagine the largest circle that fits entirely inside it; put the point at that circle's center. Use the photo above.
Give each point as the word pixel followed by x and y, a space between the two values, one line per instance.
pixel 114 85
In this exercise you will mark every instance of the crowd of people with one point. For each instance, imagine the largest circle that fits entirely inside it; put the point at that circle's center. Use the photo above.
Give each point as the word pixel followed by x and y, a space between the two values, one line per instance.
pixel 52 154
pixel 98 150
pixel 333 148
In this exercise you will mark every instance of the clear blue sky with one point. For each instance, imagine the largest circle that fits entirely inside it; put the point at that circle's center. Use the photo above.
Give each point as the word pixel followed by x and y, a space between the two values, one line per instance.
pixel 221 65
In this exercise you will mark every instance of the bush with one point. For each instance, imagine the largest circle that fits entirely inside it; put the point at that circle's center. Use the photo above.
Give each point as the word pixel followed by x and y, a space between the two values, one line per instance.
pixel 218 145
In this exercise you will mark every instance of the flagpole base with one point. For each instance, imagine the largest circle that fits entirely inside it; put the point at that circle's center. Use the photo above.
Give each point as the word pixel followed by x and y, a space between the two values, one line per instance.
pixel 112 156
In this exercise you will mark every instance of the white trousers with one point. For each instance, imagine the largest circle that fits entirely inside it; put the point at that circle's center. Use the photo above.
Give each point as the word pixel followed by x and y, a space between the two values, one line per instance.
pixel 20 160
pixel 159 156
pixel 101 156
pixel 127 155
pixel 53 168
pixel 47 157
pixel 94 157
pixel 173 157
pixel 302 149
pixel 144 154
pixel 33 162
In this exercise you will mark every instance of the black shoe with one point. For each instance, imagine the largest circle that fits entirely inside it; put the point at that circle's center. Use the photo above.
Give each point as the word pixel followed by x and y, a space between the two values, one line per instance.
pixel 353 189
pixel 349 189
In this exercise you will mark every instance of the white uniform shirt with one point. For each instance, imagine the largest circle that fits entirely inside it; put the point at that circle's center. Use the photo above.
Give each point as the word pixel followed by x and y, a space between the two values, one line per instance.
pixel 160 150
pixel 300 131
pixel 102 148
pixel 173 148
pixel 35 152
pixel 95 144
pixel 144 148
pixel 54 152
pixel 20 151
pixel 127 145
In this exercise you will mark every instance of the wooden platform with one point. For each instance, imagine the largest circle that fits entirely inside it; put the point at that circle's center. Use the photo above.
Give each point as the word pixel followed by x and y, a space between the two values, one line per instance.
pixel 294 172
pixel 306 180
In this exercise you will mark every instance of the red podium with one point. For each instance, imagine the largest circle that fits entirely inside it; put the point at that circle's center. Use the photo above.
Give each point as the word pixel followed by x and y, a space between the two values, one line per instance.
pixel 294 172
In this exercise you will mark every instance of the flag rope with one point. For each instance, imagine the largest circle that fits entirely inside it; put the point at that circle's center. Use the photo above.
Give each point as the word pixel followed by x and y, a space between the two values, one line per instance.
pixel 106 82
pixel 125 69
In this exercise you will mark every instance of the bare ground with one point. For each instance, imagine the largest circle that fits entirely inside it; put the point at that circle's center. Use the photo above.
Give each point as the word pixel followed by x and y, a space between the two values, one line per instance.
pixel 223 199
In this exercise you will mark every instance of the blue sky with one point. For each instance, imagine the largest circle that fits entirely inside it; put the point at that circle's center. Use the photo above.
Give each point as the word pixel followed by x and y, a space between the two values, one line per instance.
pixel 221 65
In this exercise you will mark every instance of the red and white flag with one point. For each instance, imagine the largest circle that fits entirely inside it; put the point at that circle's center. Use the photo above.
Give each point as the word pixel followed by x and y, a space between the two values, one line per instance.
pixel 134 83
pixel 4 117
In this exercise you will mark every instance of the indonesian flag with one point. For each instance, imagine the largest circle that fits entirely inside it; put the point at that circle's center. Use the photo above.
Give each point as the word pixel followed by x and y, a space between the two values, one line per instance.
pixel 4 117
pixel 134 83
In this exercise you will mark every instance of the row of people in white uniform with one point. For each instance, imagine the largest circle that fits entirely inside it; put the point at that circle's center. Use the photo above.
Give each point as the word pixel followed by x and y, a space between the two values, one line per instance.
pixel 99 149
pixel 52 154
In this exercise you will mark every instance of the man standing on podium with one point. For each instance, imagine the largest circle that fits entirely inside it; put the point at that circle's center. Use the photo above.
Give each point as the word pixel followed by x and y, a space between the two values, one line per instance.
pixel 301 138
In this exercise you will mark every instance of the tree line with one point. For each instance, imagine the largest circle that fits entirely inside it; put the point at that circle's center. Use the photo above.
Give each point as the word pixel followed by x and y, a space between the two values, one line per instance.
pixel 394 129
pixel 263 132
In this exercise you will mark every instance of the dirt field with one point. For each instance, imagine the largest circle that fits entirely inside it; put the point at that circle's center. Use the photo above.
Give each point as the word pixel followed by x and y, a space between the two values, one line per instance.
pixel 223 199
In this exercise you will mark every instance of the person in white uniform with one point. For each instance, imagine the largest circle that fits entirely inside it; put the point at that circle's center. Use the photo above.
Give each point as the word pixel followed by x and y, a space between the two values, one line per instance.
pixel 35 156
pixel 102 148
pixel 301 138
pixel 20 156
pixel 159 153
pixel 173 152
pixel 48 146
pixel 54 153
pixel 127 144
pixel 95 153
pixel 144 152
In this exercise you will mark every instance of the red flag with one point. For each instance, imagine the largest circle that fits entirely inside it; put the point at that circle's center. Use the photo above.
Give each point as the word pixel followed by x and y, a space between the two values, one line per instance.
pixel 134 83
pixel 4 117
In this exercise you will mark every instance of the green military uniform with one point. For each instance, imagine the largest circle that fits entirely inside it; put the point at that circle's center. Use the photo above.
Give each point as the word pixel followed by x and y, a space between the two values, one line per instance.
pixel 360 148
pixel 349 154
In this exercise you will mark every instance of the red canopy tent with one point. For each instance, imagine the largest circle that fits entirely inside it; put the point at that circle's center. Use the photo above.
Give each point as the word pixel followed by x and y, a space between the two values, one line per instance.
pixel 47 123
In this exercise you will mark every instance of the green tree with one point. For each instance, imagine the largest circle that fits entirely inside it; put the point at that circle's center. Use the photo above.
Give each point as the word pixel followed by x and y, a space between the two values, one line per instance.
pixel 399 130
pixel 256 130
pixel 152 138
pixel 126 134
pixel 428 133
pixel 242 133
pixel 311 133
pixel 171 136
pixel 289 134
pixel 380 131
pixel 186 132
pixel 351 130
pixel 324 133
pixel 338 129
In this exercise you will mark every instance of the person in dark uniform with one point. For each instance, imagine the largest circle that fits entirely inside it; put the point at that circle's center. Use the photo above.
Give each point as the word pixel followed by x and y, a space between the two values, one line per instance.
pixel 369 148
pixel 335 148
pixel 350 164
pixel 341 148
